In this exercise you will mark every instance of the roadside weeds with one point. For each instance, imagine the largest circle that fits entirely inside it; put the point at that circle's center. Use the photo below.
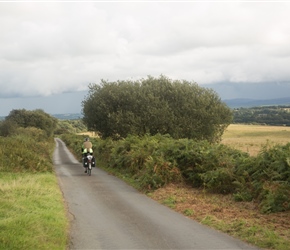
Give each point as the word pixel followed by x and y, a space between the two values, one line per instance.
pixel 242 220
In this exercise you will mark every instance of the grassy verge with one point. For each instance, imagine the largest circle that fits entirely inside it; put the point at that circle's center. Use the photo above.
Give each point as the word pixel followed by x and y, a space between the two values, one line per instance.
pixel 32 214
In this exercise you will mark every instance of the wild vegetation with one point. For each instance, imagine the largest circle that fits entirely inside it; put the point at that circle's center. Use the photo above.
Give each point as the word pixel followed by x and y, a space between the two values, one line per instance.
pixel 26 118
pixel 153 106
pixel 70 126
pixel 32 213
pixel 270 115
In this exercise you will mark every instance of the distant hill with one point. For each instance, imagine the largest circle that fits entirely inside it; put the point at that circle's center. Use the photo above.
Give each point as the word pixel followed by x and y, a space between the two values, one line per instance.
pixel 251 90
pixel 248 103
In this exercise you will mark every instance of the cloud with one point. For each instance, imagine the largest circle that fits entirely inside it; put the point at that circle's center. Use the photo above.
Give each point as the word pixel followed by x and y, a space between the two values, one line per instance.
pixel 49 48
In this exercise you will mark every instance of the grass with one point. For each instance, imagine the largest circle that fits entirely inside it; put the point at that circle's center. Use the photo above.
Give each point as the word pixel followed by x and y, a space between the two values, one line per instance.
pixel 251 138
pixel 32 213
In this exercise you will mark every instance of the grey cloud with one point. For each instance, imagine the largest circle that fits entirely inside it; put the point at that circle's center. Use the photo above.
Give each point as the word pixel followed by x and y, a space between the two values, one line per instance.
pixel 49 48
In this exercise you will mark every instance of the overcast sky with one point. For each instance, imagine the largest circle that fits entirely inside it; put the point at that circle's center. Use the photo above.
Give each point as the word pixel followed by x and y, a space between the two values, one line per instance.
pixel 52 47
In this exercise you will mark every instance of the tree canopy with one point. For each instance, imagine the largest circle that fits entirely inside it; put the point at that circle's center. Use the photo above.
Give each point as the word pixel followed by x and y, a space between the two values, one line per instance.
pixel 152 106
pixel 26 118
pixel 270 115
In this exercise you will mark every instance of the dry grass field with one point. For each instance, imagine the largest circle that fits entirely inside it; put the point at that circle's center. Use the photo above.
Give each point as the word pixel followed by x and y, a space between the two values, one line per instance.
pixel 251 138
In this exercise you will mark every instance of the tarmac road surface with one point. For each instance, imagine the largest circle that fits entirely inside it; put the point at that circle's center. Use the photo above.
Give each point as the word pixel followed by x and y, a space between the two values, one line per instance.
pixel 106 213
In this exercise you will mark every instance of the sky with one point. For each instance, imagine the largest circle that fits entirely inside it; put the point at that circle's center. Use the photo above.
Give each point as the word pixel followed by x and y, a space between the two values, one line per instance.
pixel 51 50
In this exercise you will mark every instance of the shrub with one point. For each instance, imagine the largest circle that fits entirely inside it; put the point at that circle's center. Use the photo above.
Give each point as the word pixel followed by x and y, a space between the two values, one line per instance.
pixel 156 173
pixel 22 153
pixel 266 178
pixel 142 158
pixel 276 197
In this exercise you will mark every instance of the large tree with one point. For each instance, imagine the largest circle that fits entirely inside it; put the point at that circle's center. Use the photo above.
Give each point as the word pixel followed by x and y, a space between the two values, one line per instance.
pixel 155 105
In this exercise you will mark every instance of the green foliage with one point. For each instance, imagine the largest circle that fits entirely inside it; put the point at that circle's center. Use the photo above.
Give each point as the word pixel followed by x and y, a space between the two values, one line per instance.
pixel 29 150
pixel 270 115
pixel 220 167
pixel 155 106
pixel 188 212
pixel 272 178
pixel 142 157
pixel 276 197
pixel 266 178
pixel 170 202
pixel 27 143
pixel 219 180
pixel 30 133
pixel 70 126
pixel 25 118
pixel 7 127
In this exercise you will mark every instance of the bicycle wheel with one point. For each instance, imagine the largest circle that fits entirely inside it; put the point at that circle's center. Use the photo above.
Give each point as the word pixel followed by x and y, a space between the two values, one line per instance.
pixel 90 169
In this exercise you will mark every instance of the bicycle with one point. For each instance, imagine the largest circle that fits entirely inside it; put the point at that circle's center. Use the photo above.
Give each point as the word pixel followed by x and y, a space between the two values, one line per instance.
pixel 88 164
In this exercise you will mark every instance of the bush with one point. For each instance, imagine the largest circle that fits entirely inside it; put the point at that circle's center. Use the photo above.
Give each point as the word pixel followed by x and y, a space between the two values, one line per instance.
pixel 142 158
pixel 23 153
pixel 266 178
pixel 276 197
pixel 7 128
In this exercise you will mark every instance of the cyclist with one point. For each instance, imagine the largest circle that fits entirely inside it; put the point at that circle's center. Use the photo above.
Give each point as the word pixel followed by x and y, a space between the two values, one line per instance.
pixel 87 148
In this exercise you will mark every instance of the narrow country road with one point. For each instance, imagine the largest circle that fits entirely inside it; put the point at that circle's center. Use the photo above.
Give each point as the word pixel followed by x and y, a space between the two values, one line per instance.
pixel 106 213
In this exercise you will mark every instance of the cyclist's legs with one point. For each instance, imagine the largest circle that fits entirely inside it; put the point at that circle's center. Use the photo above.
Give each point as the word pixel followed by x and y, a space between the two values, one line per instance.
pixel 83 161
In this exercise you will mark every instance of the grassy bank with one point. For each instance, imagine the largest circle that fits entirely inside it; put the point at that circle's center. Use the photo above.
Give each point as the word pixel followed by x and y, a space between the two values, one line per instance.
pixel 32 211
pixel 32 215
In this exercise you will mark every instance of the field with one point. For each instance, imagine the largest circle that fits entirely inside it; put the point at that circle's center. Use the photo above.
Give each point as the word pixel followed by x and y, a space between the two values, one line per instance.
pixel 251 138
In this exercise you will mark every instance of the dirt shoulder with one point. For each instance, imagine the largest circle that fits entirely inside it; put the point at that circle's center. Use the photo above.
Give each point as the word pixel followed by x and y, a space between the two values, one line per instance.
pixel 240 219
